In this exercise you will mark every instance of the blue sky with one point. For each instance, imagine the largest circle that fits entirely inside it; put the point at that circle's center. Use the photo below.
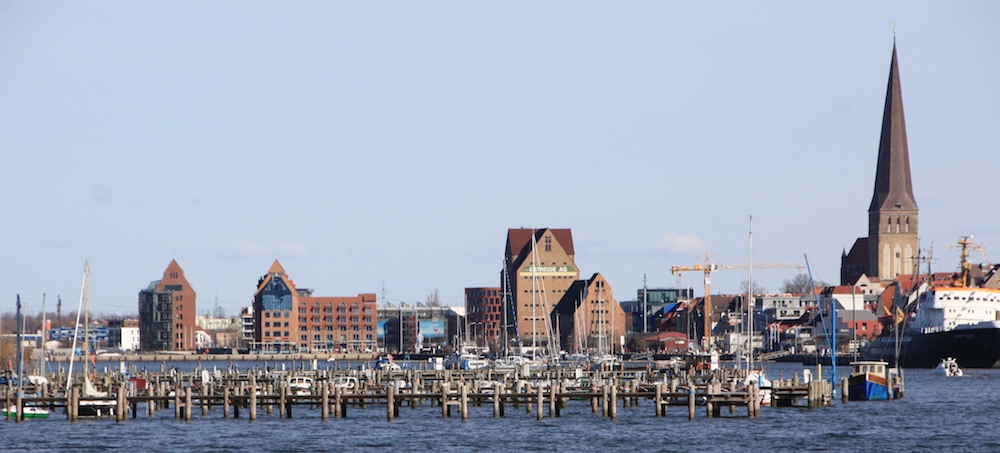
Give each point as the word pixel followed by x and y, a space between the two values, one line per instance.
pixel 392 144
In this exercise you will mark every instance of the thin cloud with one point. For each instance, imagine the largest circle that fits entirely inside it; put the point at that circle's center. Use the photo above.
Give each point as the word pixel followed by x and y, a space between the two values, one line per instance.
pixel 257 249
pixel 102 193
pixel 679 243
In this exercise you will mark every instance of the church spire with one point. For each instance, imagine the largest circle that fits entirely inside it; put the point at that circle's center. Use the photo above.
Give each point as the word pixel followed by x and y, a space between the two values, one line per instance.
pixel 893 188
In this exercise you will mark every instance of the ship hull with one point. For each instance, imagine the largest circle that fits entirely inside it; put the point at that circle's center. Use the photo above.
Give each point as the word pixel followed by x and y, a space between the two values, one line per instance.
pixel 971 348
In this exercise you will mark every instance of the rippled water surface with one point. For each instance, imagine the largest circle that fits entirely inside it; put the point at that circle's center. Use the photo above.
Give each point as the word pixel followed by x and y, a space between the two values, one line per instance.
pixel 937 414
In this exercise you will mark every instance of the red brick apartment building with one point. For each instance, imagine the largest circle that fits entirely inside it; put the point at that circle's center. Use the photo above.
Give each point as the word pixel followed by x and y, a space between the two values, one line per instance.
pixel 290 319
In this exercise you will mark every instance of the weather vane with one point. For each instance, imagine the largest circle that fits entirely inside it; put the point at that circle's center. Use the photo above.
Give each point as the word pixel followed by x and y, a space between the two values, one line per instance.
pixel 894 27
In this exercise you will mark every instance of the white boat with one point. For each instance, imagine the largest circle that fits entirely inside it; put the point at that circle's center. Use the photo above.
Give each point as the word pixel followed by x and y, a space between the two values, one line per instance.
pixel 948 367
pixel 300 385
pixel 348 383
pixel 758 377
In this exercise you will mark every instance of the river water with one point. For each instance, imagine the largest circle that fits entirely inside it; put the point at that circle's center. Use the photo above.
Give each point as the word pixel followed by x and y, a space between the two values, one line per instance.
pixel 936 414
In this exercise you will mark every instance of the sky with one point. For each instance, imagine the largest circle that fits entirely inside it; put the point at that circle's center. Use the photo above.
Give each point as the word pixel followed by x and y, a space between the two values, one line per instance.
pixel 386 147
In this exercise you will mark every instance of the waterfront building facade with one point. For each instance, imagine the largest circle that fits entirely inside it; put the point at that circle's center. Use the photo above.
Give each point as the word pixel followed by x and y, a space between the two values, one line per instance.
pixel 589 319
pixel 418 328
pixel 290 319
pixel 167 310
pixel 247 328
pixel 656 308
pixel 539 267
pixel 484 310
pixel 337 324
pixel 891 246
pixel 123 334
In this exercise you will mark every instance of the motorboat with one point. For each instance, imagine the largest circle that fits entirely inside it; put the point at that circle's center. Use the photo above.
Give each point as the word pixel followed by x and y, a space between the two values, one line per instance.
pixel 948 367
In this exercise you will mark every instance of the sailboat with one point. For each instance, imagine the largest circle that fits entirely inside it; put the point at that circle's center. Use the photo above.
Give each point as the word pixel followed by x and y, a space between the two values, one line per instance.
pixel 93 403
pixel 29 411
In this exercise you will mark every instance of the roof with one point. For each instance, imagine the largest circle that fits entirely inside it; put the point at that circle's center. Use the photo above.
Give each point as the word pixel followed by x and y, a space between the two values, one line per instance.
pixel 519 239
pixel 893 187
pixel 670 307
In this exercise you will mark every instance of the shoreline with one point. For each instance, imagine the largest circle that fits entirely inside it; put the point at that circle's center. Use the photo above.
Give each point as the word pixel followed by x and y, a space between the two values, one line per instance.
pixel 192 357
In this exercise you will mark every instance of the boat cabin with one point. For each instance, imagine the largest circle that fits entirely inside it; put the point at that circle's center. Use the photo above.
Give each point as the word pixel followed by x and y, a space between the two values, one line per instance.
pixel 870 367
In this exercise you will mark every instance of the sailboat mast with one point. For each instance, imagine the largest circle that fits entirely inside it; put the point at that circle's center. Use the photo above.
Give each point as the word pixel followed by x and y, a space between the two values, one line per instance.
pixel 45 334
pixel 750 302
pixel 86 320
pixel 76 328
pixel 19 320
pixel 503 307
pixel 534 332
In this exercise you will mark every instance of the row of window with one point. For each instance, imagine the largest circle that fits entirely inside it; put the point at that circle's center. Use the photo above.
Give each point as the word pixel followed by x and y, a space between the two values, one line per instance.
pixel 328 319
pixel 330 338
pixel 330 328
pixel 329 310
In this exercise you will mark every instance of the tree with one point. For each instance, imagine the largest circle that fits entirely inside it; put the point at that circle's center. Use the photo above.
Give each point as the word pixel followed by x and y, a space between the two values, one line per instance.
pixel 800 284
pixel 757 289
pixel 433 299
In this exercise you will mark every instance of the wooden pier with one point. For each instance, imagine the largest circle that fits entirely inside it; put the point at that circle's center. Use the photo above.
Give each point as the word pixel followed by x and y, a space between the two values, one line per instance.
pixel 544 393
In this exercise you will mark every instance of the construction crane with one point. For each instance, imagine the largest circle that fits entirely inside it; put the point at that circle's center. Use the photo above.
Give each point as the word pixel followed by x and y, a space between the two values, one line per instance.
pixel 710 267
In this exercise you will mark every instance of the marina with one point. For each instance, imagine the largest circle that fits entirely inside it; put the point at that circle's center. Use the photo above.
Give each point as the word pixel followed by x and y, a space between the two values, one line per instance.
pixel 333 391
pixel 836 426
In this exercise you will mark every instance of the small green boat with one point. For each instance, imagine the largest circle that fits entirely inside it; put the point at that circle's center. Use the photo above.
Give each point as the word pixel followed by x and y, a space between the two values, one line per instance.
pixel 29 412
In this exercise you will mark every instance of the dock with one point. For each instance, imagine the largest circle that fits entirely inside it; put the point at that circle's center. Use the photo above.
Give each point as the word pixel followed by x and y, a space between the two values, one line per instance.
pixel 545 392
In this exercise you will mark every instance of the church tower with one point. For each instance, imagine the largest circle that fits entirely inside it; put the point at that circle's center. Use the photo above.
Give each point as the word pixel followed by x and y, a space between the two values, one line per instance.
pixel 892 215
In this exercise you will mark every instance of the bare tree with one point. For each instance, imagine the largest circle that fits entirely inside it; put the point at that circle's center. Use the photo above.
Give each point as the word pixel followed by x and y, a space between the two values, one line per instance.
pixel 434 299
pixel 800 284
pixel 757 289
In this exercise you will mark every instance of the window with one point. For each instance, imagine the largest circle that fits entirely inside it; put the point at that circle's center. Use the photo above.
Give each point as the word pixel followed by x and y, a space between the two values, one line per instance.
pixel 267 324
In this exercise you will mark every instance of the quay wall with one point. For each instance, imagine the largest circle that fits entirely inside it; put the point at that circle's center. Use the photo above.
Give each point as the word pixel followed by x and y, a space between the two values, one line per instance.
pixel 161 357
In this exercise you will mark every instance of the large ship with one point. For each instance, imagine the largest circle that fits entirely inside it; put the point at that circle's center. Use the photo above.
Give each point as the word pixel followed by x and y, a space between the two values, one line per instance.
pixel 957 318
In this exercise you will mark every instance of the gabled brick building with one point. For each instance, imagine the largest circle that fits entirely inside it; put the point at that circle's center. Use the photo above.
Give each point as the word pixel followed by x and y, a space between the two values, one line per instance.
pixel 167 310
pixel 290 319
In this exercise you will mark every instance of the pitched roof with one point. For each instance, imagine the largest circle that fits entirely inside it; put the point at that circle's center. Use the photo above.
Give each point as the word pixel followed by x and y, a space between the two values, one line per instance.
pixel 893 188
pixel 858 254
pixel 519 239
